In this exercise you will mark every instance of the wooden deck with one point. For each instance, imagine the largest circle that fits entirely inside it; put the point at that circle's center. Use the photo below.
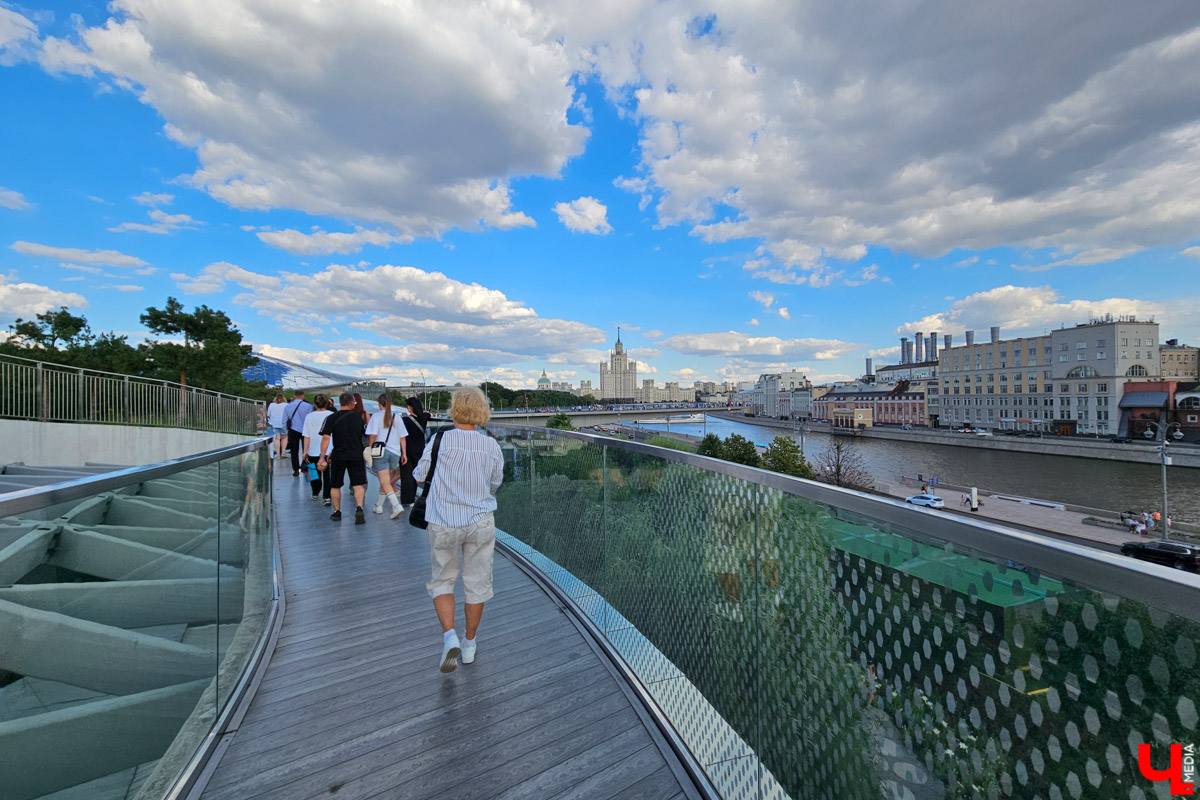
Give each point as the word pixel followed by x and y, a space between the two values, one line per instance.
pixel 352 704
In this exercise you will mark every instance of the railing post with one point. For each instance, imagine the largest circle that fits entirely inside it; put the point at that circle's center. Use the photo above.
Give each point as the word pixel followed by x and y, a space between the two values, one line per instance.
pixel 39 389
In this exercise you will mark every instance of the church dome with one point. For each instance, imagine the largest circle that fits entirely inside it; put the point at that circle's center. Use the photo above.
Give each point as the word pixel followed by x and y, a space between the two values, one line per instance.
pixel 543 382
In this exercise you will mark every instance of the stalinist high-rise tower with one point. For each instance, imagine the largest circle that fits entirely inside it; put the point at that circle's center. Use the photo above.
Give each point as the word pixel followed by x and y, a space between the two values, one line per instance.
pixel 618 378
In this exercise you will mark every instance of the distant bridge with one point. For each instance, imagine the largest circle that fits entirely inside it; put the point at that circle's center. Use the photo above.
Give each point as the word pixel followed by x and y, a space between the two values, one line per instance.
pixel 593 417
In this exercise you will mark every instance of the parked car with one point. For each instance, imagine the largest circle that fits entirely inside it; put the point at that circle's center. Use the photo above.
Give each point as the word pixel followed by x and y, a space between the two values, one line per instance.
pixel 1012 432
pixel 1171 554
pixel 1032 434
pixel 927 500
pixel 1120 440
pixel 982 432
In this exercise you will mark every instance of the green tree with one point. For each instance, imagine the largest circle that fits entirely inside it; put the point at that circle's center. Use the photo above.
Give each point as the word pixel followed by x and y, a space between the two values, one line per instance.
pixel 740 451
pixel 710 446
pixel 783 455
pixel 669 443
pixel 560 421
pixel 841 466
pixel 211 355
pixel 52 327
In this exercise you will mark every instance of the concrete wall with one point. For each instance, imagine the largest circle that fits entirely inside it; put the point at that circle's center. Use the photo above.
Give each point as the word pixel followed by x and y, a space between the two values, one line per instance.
pixel 68 445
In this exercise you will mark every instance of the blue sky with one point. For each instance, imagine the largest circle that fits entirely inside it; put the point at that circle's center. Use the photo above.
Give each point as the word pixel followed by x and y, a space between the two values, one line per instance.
pixel 467 190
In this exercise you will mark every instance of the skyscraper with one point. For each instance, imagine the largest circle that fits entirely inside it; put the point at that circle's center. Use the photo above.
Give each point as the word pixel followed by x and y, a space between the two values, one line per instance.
pixel 618 378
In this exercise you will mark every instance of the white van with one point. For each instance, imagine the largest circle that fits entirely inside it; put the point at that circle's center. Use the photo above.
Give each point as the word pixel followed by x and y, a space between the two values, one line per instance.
pixel 981 432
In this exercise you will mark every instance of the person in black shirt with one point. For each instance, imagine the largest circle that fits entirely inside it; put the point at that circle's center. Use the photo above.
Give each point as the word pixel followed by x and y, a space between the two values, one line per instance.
pixel 415 424
pixel 346 429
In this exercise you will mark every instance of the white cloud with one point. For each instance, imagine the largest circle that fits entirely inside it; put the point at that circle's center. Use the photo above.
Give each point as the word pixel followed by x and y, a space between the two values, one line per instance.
pixel 18 38
pixel 112 258
pixel 653 334
pixel 152 199
pixel 81 268
pixel 122 287
pixel 284 110
pixel 735 344
pixel 28 299
pixel 884 352
pixel 766 298
pixel 584 215
pixel 824 137
pixel 966 262
pixel 213 278
pixel 323 243
pixel 1020 310
pixel 12 199
pixel 753 322
pixel 1194 252
pixel 783 312
pixel 163 223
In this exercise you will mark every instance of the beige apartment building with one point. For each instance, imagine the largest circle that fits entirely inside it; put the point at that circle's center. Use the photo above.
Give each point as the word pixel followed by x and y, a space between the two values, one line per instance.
pixel 1068 381
pixel 1179 361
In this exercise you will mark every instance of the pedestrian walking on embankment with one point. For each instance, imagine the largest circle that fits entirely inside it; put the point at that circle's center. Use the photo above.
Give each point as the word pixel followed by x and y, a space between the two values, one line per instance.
pixel 295 413
pixel 462 528
pixel 345 431
pixel 386 429
pixel 277 423
pixel 322 483
pixel 416 422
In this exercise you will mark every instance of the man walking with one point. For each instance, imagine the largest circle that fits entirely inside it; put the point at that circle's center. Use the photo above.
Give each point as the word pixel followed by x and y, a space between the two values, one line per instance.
pixel 294 414
pixel 345 427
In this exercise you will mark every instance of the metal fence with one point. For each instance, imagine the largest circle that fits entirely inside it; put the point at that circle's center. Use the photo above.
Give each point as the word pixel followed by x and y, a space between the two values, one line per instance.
pixel 36 390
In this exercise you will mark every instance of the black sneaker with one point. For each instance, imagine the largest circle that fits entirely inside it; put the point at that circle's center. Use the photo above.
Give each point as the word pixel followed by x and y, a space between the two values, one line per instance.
pixel 336 516
pixel 359 517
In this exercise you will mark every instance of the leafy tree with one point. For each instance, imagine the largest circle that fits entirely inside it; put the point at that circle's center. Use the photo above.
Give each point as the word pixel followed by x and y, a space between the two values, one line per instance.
pixel 212 353
pixel 783 455
pixel 740 451
pixel 52 327
pixel 560 421
pixel 841 466
pixel 710 446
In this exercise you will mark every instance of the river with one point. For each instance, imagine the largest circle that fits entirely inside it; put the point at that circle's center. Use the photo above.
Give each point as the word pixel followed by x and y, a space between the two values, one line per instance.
pixel 1113 485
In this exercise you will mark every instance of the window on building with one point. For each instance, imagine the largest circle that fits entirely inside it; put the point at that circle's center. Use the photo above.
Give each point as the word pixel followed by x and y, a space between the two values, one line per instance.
pixel 1082 372
pixel 1101 343
pixel 1137 342
pixel 1063 358
pixel 1063 388
pixel 1101 355
pixel 1081 345
pixel 1081 388
pixel 1136 371
pixel 1064 346
pixel 1124 354
pixel 1101 387
pixel 1124 342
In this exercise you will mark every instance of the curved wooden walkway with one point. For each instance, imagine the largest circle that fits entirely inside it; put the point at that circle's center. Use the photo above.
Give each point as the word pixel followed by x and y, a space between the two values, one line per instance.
pixel 352 704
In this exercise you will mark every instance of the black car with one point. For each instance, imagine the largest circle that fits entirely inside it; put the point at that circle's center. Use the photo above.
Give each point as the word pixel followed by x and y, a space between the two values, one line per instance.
pixel 1171 554
pixel 1032 434
pixel 1120 440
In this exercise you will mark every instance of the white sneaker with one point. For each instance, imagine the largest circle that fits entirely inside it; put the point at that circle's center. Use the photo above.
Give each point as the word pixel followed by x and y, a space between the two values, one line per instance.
pixel 378 509
pixel 397 511
pixel 450 653
pixel 468 652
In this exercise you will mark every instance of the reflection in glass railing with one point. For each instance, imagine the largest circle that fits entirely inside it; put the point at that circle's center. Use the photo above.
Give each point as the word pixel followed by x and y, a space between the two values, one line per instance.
pixel 124 621
pixel 800 649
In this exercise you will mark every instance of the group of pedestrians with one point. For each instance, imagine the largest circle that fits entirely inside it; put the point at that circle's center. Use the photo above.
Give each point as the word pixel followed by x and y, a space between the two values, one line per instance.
pixel 1145 522
pixel 463 467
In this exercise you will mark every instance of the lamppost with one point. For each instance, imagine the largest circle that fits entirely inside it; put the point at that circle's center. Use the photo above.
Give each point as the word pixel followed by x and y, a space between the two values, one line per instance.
pixel 1151 432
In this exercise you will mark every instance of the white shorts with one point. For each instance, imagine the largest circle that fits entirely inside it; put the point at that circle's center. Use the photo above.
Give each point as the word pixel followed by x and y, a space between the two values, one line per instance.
pixel 474 545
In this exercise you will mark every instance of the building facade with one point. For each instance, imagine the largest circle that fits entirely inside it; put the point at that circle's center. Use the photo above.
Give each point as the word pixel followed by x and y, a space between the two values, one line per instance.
pixel 618 378
pixel 1179 361
pixel 1068 381
pixel 865 404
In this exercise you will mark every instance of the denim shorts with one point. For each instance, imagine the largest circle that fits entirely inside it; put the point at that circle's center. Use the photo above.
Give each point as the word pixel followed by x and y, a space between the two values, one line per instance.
pixel 389 460
pixel 278 431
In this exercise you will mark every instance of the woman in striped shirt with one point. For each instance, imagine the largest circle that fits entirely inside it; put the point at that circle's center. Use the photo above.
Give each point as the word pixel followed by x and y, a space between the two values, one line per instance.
pixel 462 497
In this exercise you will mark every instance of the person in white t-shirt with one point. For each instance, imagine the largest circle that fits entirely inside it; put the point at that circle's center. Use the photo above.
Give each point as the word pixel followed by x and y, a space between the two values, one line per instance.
pixel 277 422
pixel 312 446
pixel 386 427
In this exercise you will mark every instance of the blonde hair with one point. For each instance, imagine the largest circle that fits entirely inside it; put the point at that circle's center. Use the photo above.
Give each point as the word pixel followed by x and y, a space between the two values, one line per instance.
pixel 279 398
pixel 468 406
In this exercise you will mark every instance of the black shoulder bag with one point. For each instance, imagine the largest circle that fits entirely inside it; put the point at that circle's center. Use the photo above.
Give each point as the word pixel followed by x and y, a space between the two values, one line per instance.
pixel 416 515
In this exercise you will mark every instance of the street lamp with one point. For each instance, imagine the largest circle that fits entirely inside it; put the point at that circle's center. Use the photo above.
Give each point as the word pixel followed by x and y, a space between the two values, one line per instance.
pixel 1151 432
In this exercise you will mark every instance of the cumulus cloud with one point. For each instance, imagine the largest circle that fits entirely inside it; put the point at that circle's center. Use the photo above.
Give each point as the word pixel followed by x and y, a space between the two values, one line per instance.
pixel 766 298
pixel 163 223
pixel 322 243
pixel 653 333
pixel 427 311
pixel 12 199
pixel 830 128
pixel 27 299
pixel 734 344
pixel 18 37
pixel 783 312
pixel 112 258
pixel 283 110
pixel 1021 310
pixel 584 215
pixel 1194 252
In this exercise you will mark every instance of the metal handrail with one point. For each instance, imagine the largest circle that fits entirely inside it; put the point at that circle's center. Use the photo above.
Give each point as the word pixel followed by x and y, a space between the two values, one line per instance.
pixel 1154 585
pixel 38 497
pixel 45 391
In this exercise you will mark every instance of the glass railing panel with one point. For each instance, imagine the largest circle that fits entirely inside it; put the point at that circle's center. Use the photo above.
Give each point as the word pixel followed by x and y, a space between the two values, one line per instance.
pixel 244 545
pixel 679 550
pixel 107 615
pixel 514 500
pixel 568 526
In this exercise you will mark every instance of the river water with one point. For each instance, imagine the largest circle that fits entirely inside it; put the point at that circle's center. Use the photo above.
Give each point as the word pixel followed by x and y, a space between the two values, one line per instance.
pixel 1113 485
